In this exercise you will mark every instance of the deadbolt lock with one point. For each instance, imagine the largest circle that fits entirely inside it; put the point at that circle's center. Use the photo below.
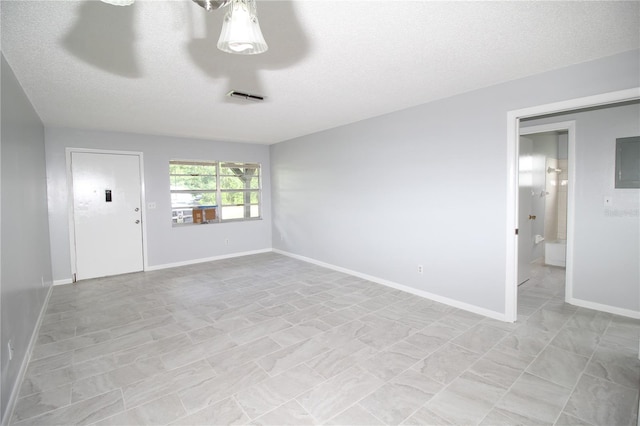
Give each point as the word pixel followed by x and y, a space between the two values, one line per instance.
pixel 137 221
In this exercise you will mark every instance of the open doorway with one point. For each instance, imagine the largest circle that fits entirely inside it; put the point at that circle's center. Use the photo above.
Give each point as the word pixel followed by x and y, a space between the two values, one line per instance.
pixel 514 119
pixel 546 199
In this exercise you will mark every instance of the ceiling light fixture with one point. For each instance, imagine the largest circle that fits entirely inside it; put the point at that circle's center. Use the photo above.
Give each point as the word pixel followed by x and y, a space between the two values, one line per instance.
pixel 240 33
pixel 119 2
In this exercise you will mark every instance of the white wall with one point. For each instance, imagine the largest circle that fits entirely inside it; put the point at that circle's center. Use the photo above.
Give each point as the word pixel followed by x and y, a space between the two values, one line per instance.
pixel 166 245
pixel 426 185
pixel 607 239
pixel 24 236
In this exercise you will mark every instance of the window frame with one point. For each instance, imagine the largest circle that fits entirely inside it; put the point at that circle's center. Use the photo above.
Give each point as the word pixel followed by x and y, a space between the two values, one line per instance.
pixel 219 191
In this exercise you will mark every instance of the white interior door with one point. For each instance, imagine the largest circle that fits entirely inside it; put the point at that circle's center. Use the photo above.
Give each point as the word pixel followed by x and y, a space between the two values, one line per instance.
pixel 525 187
pixel 106 213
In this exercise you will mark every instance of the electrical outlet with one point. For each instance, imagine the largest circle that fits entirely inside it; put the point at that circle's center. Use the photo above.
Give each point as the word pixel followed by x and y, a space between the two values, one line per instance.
pixel 10 346
pixel 420 269
pixel 226 241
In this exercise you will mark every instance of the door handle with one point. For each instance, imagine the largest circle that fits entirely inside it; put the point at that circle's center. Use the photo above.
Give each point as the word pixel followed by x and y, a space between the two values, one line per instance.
pixel 137 221
pixel 532 217
pixel 136 209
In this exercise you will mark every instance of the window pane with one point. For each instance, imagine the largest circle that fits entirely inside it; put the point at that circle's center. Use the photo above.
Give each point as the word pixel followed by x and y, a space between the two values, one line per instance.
pixel 227 182
pixel 193 199
pixel 179 182
pixel 232 198
pixel 255 211
pixel 240 169
pixel 191 168
pixel 232 212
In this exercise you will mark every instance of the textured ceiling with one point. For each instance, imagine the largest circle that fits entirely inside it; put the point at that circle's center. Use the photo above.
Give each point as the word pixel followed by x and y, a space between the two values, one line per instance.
pixel 154 68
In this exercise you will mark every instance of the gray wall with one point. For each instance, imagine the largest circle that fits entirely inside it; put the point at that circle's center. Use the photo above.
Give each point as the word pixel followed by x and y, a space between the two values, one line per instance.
pixel 24 235
pixel 426 185
pixel 607 239
pixel 166 245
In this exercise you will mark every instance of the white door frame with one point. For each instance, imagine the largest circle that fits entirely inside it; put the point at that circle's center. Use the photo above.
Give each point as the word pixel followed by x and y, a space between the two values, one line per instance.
pixel 513 135
pixel 72 231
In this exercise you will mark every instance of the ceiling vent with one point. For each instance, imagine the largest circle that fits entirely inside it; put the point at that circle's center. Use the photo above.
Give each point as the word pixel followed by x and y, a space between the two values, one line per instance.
pixel 245 96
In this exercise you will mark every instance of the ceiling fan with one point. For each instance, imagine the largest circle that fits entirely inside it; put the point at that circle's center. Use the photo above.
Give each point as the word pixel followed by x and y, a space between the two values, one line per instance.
pixel 240 33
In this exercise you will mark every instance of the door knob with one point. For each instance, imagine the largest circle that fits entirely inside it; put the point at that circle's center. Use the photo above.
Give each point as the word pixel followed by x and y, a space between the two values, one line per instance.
pixel 532 217
pixel 136 209
pixel 137 221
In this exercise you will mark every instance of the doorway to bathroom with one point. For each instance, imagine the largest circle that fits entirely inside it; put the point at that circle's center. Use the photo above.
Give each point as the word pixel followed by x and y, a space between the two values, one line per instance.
pixel 545 197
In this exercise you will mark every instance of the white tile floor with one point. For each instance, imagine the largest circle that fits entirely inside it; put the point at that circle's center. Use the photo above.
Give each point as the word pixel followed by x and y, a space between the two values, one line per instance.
pixel 267 339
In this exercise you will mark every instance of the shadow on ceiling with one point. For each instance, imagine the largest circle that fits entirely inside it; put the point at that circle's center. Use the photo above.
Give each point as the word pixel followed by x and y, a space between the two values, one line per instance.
pixel 103 36
pixel 285 37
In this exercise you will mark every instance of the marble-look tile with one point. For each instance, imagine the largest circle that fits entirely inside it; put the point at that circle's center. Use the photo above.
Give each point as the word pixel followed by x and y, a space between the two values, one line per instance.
pixel 433 337
pixel 525 340
pixel 115 379
pixel 497 418
pixel 262 397
pixel 335 361
pixel 230 359
pixel 586 402
pixel 425 417
pixel 81 413
pixel 534 398
pixel 546 319
pixel 447 363
pixel 589 320
pixel 500 368
pixel 54 332
pixel 192 353
pixel 580 341
pixel 291 414
pixel 558 366
pixel 154 348
pixel 142 325
pixel 344 315
pixel 112 346
pixel 568 420
pixel 46 381
pixel 214 389
pixel 461 320
pixel 286 358
pixel 338 393
pixel 51 363
pixel 50 349
pixel 400 398
pixel 307 314
pixel 383 337
pixel 299 332
pixel 343 334
pixel 616 364
pixel 162 411
pixel 171 381
pixel 225 412
pixel 355 416
pixel 36 404
pixel 467 399
pixel 389 363
pixel 480 338
pixel 256 331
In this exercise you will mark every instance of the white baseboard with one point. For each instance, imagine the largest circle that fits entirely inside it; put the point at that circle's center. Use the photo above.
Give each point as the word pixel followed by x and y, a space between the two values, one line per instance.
pixel 445 300
pixel 13 398
pixel 207 259
pixel 63 282
pixel 604 308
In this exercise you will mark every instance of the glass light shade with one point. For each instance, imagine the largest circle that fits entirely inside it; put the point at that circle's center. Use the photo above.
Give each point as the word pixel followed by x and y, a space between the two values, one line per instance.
pixel 241 31
pixel 119 2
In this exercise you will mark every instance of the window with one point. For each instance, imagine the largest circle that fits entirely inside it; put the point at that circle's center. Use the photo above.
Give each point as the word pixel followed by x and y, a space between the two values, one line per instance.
pixel 233 190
